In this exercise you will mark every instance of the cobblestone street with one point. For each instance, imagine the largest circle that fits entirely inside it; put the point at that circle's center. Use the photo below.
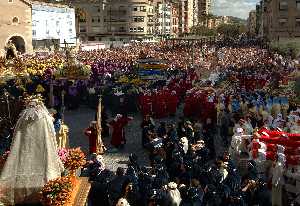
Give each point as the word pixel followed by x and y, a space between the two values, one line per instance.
pixel 79 119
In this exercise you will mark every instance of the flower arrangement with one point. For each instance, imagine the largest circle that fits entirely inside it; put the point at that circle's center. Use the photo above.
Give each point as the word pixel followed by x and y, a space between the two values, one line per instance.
pixel 63 154
pixel 58 192
pixel 73 71
pixel 75 159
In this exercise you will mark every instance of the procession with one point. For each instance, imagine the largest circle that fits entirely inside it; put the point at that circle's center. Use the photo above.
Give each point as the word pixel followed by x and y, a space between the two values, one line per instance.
pixel 149 103
pixel 227 138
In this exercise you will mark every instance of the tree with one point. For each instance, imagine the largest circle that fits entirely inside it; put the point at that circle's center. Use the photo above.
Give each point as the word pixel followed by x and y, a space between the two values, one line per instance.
pixel 203 31
pixel 231 30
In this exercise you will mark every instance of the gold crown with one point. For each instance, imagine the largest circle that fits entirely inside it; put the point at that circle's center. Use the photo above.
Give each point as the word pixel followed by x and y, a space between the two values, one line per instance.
pixel 34 98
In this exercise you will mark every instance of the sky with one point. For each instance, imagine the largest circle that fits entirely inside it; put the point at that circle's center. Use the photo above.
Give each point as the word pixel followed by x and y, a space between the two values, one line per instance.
pixel 237 8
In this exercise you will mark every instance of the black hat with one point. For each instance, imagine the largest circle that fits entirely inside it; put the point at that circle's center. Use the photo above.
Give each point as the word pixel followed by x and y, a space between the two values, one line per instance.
pixel 133 158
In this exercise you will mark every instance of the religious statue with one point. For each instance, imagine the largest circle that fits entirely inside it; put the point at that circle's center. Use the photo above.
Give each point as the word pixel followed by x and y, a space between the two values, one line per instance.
pixel 63 136
pixel 33 158
pixel 72 69
pixel 11 51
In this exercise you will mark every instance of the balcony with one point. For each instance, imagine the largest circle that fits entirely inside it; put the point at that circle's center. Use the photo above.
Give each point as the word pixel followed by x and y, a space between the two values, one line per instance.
pixel 117 12
pixel 114 20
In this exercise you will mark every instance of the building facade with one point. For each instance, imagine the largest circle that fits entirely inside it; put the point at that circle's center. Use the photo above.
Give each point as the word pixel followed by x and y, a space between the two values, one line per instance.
pixel 251 23
pixel 114 20
pixel 35 25
pixel 163 16
pixel 175 18
pixel 53 25
pixel 216 21
pixel 204 9
pixel 279 19
pixel 188 16
pixel 15 25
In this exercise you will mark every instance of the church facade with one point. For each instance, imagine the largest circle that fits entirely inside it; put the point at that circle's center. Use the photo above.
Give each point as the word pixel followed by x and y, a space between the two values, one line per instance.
pixel 35 25
pixel 15 25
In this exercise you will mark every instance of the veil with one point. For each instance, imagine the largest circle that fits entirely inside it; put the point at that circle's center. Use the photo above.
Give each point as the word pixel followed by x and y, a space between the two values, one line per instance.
pixel 33 159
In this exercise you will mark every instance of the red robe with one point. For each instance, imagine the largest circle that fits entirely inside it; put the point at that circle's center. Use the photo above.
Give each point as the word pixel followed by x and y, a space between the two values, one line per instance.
pixel 160 106
pixel 118 134
pixel 172 104
pixel 146 105
pixel 91 133
pixel 187 110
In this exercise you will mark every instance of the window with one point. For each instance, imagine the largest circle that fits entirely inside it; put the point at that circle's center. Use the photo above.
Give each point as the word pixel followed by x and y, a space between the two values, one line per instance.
pixel 134 29
pixel 283 5
pixel 297 22
pixel 10 1
pixel 33 32
pixel 138 19
pixel 82 19
pixel 135 8
pixel 283 22
pixel 15 20
pixel 122 29
pixel 82 29
pixel 298 4
pixel 91 38
pixel 140 29
pixel 143 8
pixel 96 19
pixel 130 29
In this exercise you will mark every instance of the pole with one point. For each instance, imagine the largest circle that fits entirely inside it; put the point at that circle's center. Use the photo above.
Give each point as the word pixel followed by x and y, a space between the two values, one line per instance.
pixel 63 104
pixel 51 96
pixel 193 50
pixel 8 107
pixel 100 146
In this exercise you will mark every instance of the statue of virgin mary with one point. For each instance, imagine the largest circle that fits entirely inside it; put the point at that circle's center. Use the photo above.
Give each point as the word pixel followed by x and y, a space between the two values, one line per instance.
pixel 33 159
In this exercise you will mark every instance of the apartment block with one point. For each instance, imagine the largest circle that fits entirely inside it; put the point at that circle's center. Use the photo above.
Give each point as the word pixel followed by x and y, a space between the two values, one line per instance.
pixel 114 20
pixel 279 19
pixel 251 23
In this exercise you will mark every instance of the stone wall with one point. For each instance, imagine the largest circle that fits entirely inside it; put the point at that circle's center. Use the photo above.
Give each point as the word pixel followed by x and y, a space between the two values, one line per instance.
pixel 15 20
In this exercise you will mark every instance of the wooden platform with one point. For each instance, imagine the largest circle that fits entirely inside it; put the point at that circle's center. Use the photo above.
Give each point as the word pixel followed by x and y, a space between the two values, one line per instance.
pixel 81 197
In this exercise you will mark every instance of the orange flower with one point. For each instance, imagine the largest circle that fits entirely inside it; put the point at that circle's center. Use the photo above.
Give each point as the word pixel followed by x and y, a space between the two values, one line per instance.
pixel 57 192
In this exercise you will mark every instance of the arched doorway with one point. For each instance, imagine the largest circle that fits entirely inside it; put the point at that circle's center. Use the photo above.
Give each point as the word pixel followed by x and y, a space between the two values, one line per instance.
pixel 19 43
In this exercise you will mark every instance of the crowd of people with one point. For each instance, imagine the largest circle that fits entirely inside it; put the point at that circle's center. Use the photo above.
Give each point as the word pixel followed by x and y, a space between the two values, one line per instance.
pixel 189 159
pixel 188 165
